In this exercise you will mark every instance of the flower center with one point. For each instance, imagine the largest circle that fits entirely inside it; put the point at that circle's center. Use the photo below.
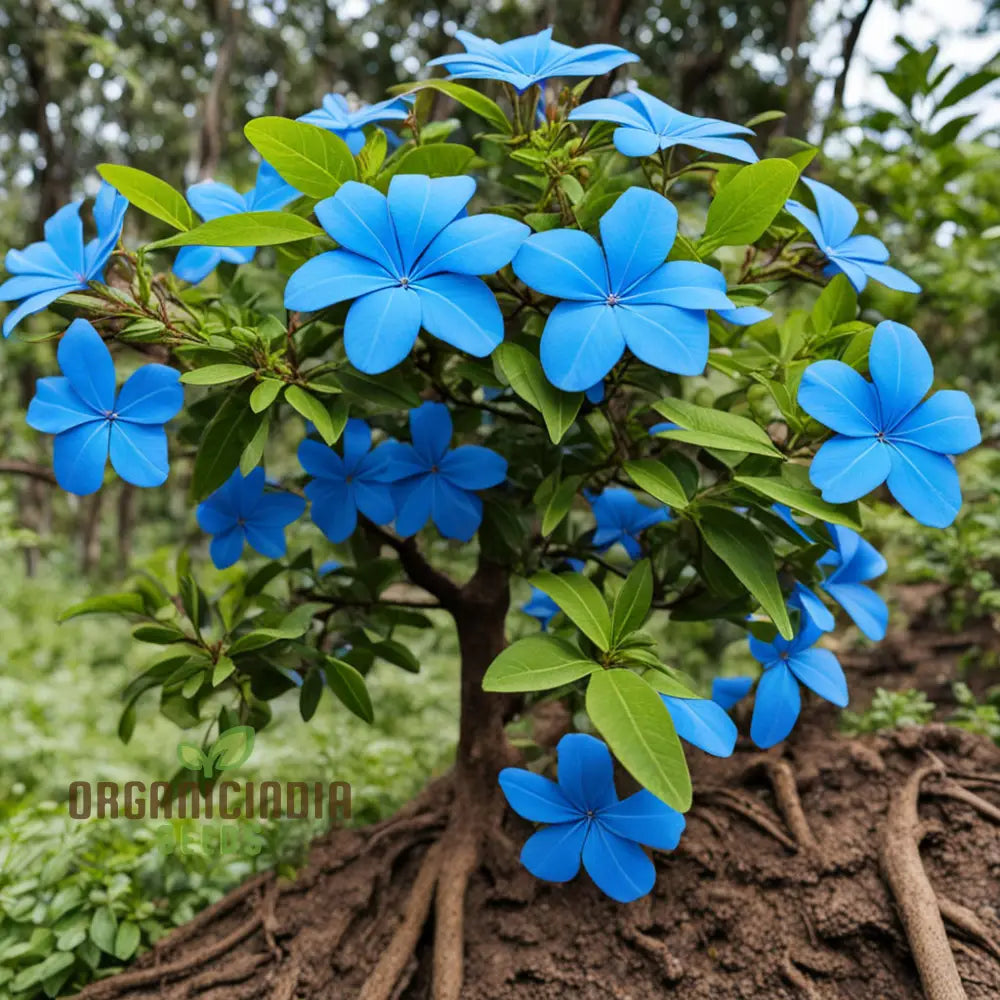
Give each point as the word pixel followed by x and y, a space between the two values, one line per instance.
pixel 404 282
pixel 828 250
pixel 612 299
pixel 434 469
pixel 110 415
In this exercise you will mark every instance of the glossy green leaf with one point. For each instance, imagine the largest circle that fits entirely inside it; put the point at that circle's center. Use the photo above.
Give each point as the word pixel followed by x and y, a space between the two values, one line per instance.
pixel 537 663
pixel 560 503
pixel 216 374
pixel 349 686
pixel 632 602
pixel 711 428
pixel 472 99
pixel 581 601
pixel 311 159
pixel 312 409
pixel 806 501
pixel 264 394
pixel 248 229
pixel 741 212
pixel 439 159
pixel 105 604
pixel 658 481
pixel 150 194
pixel 524 373
pixel 222 443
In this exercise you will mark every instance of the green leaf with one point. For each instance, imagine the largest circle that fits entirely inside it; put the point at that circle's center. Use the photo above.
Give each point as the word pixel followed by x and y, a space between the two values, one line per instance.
pixel 738 543
pixel 667 681
pixel 312 409
pixel 806 501
pixel 372 155
pixel 658 481
pixel 524 373
pixel 349 686
pixel 161 635
pixel 106 604
pixel 398 654
pixel 632 602
pixel 232 749
pixel 191 756
pixel 388 392
pixel 126 940
pixel 227 434
pixel 711 428
pixel 265 394
pixel 247 229
pixel 967 86
pixel 310 694
pixel 560 503
pixel 103 927
pixel 837 303
pixel 254 451
pixel 636 725
pixel 308 157
pixel 541 222
pixel 222 669
pixel 741 212
pixel 150 194
pixel 472 99
pixel 216 374
pixel 537 663
pixel 437 160
pixel 763 117
pixel 581 601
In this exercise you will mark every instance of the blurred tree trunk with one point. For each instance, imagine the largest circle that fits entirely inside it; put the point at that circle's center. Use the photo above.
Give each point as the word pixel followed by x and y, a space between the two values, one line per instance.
pixel 126 523
pixel 611 34
pixel 213 118
pixel 797 102
pixel 851 36
pixel 90 535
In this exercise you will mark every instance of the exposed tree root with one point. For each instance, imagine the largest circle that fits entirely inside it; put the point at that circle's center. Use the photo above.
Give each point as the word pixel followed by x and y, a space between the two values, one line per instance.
pixel 899 854
pixel 966 920
pixel 798 979
pixel 786 793
pixel 952 790
pixel 462 851
pixel 748 809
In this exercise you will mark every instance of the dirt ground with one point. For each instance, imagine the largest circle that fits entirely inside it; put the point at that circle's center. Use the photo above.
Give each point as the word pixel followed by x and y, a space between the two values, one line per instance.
pixel 781 889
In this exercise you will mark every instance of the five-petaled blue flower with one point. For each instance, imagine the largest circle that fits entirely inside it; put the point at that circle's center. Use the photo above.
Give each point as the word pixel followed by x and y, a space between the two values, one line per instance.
pixel 647 125
pixel 621 296
pixel 859 257
pixel 432 481
pixel 241 511
pixel 885 433
pixel 621 517
pixel 212 200
pixel 702 723
pixel 728 691
pixel 541 606
pixel 44 271
pixel 89 423
pixel 589 822
pixel 786 662
pixel 344 486
pixel 523 62
pixel 336 116
pixel 409 260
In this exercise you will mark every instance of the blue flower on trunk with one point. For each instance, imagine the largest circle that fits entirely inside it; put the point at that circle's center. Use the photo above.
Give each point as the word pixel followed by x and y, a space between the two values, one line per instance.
pixel 213 200
pixel 623 295
pixel 589 822
pixel 344 486
pixel 62 263
pixel 621 517
pixel 647 125
pixel 336 116
pixel 787 662
pixel 523 62
pixel 432 481
pixel 886 432
pixel 408 261
pixel 89 423
pixel 240 511
pixel 859 257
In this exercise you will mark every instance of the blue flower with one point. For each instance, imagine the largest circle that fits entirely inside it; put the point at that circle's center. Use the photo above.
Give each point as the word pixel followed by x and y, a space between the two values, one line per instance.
pixel 89 422
pixel 854 562
pixel 523 62
pixel 744 315
pixel 859 257
pixel 647 125
pixel 241 511
pixel 621 518
pixel 541 606
pixel 344 486
pixel 786 662
pixel 409 260
pixel 42 272
pixel 212 200
pixel 810 606
pixel 336 116
pixel 328 567
pixel 702 723
pixel 884 433
pixel 729 691
pixel 589 822
pixel 621 296
pixel 432 481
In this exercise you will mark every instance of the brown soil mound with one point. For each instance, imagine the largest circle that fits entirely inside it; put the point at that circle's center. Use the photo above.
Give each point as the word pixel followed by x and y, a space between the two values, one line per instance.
pixel 777 891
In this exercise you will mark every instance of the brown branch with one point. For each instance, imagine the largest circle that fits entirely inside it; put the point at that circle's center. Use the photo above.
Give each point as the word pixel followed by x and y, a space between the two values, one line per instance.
pixel 16 467
pixel 851 37
pixel 418 569
pixel 210 142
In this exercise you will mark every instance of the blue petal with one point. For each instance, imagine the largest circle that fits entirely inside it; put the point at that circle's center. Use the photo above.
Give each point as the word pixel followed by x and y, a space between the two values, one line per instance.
pixel 891 277
pixel 609 110
pixel 586 773
pixel 381 329
pixel 397 461
pixel 620 868
pixel 595 394
pixel 152 395
pixel 473 467
pixel 87 363
pixel 420 207
pixel 109 215
pixel 636 142
pixel 64 231
pixel 836 395
pixel 319 460
pixel 430 431
pixel 357 217
pixel 808 218
pixel 34 304
pixel 867 610
pixel 374 500
pixel 564 263
pixel 477 244
pixel 29 285
pixel 945 423
pixel 901 369
pixel 333 509
pixel 837 214
pixel 736 149
pixel 194 264
pixel 536 798
pixel 703 724
pixel 864 249
pixel 637 233
pixel 267 539
pixel 860 559
pixel 847 468
pixel 414 503
pixel 642 817
pixel 334 276
pixel 270 192
pixel 673 340
pixel 56 407
pixel 79 456
pixel 925 484
pixel 776 707
pixel 580 344
pixel 744 315
pixel 139 453
pixel 212 200
pixel 461 311
pixel 215 514
pixel 810 605
pixel 457 513
pixel 821 672
pixel 683 283
pixel 729 691
pixel 856 273
pixel 279 509
pixel 553 853
pixel 37 258
pixel 226 548
pixel 356 441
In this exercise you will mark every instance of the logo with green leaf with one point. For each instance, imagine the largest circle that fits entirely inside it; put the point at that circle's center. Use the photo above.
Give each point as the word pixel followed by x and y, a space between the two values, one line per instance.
pixel 231 749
